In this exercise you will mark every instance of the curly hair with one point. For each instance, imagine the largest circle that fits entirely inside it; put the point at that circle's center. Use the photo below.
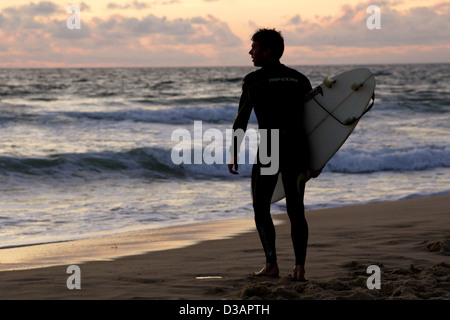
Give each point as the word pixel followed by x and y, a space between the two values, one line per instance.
pixel 270 39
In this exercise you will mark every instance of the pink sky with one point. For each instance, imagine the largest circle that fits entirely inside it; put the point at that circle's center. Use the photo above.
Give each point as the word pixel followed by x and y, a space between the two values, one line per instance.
pixel 216 32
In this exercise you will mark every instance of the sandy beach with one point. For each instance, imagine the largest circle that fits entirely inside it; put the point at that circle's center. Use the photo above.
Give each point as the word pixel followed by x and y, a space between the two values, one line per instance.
pixel 409 240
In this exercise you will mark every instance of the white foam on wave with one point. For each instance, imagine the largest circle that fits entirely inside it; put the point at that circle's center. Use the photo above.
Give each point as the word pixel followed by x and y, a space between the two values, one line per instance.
pixel 386 159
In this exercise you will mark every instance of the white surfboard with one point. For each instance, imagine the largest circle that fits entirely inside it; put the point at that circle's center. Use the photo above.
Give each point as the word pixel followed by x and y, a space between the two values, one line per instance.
pixel 331 114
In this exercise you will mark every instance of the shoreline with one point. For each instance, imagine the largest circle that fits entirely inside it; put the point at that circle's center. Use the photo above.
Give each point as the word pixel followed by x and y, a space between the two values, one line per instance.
pixel 115 246
pixel 408 239
pixel 227 227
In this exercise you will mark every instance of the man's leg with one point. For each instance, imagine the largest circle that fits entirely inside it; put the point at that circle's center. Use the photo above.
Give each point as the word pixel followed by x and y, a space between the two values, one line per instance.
pixel 294 186
pixel 263 186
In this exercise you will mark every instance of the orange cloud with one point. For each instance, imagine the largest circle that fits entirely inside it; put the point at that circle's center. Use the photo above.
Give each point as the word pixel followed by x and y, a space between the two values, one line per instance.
pixel 37 35
pixel 113 40
pixel 414 26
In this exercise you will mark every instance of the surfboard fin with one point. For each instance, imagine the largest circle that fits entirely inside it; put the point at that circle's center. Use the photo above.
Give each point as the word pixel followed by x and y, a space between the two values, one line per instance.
pixel 356 85
pixel 327 82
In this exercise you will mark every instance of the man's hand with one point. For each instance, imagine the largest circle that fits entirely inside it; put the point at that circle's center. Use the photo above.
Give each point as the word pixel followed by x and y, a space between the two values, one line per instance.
pixel 235 165
pixel 315 173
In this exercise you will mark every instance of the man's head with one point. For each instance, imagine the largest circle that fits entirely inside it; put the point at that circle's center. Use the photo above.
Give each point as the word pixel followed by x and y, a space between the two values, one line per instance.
pixel 267 46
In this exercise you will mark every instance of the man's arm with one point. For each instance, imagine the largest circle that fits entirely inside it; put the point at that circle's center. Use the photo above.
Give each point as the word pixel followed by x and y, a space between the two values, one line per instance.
pixel 240 122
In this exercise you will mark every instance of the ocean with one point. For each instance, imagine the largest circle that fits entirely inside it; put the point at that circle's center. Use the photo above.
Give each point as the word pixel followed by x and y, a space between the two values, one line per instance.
pixel 88 152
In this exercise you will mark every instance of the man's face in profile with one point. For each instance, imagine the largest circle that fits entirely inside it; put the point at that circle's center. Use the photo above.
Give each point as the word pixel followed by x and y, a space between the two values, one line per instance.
pixel 259 57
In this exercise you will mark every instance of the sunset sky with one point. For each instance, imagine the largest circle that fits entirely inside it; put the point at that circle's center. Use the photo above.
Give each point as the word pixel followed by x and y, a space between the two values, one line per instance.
pixel 216 32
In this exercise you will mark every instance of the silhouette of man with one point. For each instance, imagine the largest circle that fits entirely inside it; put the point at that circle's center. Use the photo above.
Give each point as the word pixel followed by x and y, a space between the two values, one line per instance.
pixel 276 93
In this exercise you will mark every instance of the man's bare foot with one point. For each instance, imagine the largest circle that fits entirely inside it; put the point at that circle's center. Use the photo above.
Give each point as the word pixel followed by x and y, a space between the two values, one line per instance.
pixel 299 273
pixel 269 270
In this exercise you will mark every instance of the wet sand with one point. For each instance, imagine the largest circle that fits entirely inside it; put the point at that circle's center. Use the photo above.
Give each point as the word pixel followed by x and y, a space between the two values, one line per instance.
pixel 409 240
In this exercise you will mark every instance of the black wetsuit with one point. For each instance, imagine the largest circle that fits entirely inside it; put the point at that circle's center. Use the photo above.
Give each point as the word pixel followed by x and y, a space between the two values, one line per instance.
pixel 276 94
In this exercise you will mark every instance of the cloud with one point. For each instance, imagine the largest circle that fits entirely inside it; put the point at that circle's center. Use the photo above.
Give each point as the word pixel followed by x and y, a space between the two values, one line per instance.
pixel 415 26
pixel 139 5
pixel 295 20
pixel 42 8
pixel 84 7
pixel 204 30
pixel 191 31
pixel 133 5
pixel 37 33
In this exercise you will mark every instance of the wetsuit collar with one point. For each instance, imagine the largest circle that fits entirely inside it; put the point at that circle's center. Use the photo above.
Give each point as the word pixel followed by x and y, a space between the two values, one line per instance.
pixel 271 64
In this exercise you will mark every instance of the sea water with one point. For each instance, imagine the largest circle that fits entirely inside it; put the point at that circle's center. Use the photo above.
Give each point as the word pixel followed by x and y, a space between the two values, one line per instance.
pixel 87 152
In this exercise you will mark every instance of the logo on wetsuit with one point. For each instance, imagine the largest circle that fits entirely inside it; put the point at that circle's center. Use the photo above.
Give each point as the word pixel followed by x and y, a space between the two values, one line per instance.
pixel 283 80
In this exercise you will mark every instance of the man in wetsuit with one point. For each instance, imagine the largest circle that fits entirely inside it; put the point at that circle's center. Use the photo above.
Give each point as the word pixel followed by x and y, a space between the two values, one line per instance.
pixel 276 93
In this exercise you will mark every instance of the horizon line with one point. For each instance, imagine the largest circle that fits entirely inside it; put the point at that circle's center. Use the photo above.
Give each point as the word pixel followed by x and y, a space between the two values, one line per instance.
pixel 225 66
